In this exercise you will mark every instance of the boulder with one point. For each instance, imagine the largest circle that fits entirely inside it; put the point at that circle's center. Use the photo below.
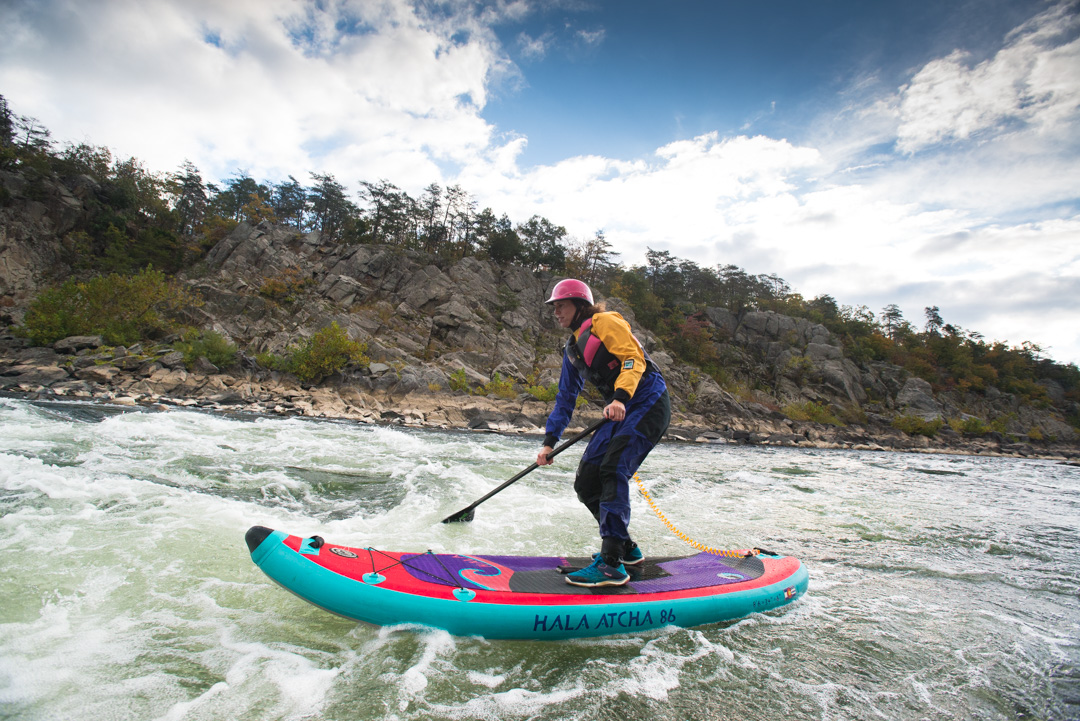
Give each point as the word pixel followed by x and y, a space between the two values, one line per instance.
pixel 98 374
pixel 172 360
pixel 918 397
pixel 76 343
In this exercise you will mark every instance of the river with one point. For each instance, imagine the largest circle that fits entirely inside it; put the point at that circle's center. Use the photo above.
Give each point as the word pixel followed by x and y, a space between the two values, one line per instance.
pixel 941 587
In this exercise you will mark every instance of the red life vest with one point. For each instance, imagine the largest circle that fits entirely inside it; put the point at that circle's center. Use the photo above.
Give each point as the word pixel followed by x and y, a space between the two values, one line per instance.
pixel 591 358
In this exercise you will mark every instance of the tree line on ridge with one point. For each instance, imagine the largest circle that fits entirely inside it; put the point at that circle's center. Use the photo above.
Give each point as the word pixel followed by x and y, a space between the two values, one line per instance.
pixel 138 218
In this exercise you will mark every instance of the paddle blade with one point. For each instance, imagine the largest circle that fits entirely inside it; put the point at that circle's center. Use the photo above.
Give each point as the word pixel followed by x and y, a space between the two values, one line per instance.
pixel 463 516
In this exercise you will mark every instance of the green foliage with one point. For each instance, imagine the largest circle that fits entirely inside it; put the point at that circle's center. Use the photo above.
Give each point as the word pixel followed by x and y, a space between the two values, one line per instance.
pixel 458 382
pixel 810 411
pixel 122 309
pixel 797 367
pixel 135 218
pixel 210 345
pixel 272 361
pixel 326 353
pixel 971 426
pixel 543 393
pixel 915 425
pixel 500 387
pixel 507 300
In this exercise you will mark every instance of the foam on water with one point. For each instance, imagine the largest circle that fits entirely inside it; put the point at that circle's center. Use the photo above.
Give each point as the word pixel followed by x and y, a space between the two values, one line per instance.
pixel 940 587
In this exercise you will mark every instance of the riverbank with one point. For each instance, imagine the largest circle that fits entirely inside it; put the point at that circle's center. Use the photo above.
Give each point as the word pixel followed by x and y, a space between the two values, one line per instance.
pixel 156 377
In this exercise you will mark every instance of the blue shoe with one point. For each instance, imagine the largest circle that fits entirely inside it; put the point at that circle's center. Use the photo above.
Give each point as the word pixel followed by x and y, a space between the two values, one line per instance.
pixel 598 574
pixel 631 557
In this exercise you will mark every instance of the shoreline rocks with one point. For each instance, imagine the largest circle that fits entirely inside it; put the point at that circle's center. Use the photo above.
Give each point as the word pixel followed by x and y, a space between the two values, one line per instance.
pixel 82 368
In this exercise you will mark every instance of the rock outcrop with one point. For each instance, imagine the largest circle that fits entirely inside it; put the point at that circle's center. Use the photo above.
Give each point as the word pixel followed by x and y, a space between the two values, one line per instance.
pixel 441 333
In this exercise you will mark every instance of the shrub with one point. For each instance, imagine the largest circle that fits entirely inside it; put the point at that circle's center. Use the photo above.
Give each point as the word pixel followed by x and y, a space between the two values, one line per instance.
pixel 210 345
pixel 1001 423
pixel 500 387
pixel 272 361
pixel 971 426
pixel 797 367
pixel 458 382
pixel 285 286
pixel 810 411
pixel 121 309
pixel 917 426
pixel 326 353
pixel 543 393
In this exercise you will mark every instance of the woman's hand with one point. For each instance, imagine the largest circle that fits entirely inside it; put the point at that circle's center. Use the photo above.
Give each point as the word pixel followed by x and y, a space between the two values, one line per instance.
pixel 542 457
pixel 615 411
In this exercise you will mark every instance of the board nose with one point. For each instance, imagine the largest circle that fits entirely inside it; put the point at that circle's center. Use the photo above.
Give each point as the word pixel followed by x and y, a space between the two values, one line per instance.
pixel 255 536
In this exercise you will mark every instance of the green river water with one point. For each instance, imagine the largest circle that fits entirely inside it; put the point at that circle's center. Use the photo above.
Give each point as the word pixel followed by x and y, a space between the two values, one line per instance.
pixel 941 587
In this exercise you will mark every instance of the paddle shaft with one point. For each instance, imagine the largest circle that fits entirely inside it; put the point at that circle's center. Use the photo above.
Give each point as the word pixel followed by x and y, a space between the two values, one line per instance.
pixel 461 515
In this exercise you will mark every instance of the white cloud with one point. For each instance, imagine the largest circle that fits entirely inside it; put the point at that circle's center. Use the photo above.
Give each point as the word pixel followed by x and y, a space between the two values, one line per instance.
pixel 362 89
pixel 371 89
pixel 533 48
pixel 1032 82
pixel 591 38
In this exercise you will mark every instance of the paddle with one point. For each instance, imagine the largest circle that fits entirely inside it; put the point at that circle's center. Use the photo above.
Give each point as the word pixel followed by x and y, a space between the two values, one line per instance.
pixel 467 514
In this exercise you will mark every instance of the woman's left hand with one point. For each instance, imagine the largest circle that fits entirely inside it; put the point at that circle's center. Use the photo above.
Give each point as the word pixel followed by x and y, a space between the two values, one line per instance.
pixel 615 411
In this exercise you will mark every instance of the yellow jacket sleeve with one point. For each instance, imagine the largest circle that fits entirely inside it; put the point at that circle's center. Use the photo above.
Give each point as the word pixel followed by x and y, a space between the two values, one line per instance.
pixel 614 332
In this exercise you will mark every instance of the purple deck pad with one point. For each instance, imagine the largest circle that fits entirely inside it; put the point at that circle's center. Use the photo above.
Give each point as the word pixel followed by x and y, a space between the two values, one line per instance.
pixel 494 572
pixel 704 569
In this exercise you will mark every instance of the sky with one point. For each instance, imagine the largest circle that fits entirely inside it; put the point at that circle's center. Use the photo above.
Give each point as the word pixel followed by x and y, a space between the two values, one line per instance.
pixel 922 153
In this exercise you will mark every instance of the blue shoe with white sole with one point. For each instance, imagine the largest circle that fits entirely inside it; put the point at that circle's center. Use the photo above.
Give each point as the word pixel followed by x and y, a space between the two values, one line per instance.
pixel 633 556
pixel 598 574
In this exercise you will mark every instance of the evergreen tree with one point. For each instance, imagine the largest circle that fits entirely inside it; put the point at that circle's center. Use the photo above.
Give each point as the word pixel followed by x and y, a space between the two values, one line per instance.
pixel 429 206
pixel 84 159
pixel 591 260
pixel 933 320
pixel 502 242
pixel 330 207
pixel 189 197
pixel 383 197
pixel 230 201
pixel 542 243
pixel 289 201
pixel 7 124
pixel 31 135
pixel 892 319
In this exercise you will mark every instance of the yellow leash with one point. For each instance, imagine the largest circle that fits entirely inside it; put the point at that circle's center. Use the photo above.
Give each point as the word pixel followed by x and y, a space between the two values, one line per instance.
pixel 683 536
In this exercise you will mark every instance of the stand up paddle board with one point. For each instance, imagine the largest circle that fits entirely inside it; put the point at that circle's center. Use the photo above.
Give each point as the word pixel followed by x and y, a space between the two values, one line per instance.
pixel 522 597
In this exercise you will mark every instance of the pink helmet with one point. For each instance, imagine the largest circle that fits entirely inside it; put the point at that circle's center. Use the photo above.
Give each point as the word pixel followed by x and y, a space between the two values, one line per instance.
pixel 570 289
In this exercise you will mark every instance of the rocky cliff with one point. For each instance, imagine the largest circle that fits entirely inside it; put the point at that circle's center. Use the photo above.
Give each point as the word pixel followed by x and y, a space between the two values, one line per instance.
pixel 429 323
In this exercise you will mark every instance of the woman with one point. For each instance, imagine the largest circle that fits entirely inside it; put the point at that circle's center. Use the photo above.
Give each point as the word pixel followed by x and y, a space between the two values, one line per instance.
pixel 604 351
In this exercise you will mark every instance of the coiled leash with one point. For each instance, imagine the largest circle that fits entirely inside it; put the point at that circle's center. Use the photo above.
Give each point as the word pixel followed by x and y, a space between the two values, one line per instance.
pixel 685 538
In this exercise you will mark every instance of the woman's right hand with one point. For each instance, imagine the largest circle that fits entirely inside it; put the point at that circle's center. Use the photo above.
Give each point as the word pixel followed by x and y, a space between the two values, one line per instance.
pixel 542 457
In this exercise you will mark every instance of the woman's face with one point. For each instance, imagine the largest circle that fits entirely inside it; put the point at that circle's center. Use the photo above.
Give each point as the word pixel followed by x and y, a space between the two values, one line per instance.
pixel 565 310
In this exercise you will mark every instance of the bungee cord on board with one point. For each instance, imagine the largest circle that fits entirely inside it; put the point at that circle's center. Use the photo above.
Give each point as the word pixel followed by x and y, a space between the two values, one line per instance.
pixel 685 538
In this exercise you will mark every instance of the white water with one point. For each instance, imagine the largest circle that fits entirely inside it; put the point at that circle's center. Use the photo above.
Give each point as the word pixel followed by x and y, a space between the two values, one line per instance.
pixel 940 587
